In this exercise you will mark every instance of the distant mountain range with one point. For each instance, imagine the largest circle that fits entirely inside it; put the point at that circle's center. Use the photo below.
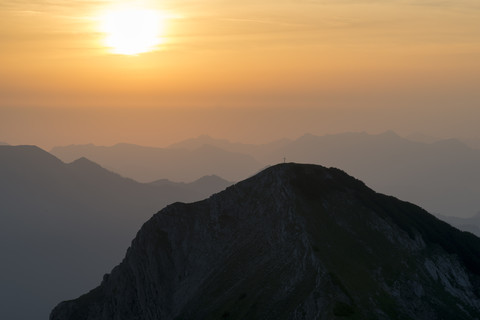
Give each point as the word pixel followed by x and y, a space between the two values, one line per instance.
pixel 443 176
pixel 3 143
pixel 198 189
pixel 259 152
pixel 471 224
pixel 38 189
pixel 472 143
pixel 63 225
pixel 295 241
pixel 146 164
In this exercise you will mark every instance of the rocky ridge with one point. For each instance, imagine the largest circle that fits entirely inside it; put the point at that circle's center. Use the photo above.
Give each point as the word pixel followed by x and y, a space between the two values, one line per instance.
pixel 292 242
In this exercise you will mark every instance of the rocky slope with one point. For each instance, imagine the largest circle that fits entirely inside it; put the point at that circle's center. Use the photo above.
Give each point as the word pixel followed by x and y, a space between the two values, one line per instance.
pixel 293 242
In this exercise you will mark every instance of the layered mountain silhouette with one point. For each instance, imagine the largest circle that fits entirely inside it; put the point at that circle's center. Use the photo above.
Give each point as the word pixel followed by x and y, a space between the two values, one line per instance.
pixel 198 189
pixel 292 242
pixel 259 152
pixel 471 224
pixel 64 225
pixel 443 176
pixel 146 164
pixel 3 143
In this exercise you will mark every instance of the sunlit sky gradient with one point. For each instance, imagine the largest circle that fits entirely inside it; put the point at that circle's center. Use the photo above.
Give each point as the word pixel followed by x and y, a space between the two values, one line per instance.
pixel 411 65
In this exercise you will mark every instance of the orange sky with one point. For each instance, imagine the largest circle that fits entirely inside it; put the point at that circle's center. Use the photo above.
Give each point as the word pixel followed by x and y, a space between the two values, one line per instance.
pixel 328 57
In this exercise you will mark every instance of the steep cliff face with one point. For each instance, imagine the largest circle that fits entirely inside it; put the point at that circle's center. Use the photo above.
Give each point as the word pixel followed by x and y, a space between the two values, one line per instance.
pixel 293 242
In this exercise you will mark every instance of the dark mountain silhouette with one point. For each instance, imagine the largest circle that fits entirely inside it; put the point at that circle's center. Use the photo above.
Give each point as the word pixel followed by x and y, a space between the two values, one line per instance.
pixel 442 177
pixel 147 164
pixel 63 225
pixel 3 143
pixel 293 242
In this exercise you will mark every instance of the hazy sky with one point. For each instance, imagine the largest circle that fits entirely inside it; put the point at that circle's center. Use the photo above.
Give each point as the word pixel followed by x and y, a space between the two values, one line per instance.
pixel 245 70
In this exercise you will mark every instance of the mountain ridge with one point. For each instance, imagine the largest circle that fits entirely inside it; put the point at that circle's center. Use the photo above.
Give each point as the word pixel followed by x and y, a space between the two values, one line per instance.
pixel 442 176
pixel 147 164
pixel 62 221
pixel 292 242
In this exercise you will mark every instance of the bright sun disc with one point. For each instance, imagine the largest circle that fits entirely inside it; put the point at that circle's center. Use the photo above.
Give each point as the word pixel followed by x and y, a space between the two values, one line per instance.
pixel 132 31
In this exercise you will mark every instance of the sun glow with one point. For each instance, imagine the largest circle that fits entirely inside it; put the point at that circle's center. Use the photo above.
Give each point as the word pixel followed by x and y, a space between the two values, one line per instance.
pixel 132 31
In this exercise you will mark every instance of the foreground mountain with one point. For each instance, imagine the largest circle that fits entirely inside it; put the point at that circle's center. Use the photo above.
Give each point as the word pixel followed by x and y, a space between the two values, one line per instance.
pixel 442 177
pixel 293 242
pixel 64 225
pixel 146 164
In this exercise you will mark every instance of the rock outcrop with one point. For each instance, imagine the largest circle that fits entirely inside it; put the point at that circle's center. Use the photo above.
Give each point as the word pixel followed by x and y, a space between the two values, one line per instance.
pixel 293 242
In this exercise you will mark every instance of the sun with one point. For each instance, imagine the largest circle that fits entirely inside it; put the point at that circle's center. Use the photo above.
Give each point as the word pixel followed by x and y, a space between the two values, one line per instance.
pixel 131 31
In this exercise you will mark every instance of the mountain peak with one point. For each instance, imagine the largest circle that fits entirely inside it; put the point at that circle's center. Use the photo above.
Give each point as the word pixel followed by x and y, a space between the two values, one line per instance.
pixel 209 178
pixel 82 160
pixel 85 163
pixel 307 178
pixel 292 240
